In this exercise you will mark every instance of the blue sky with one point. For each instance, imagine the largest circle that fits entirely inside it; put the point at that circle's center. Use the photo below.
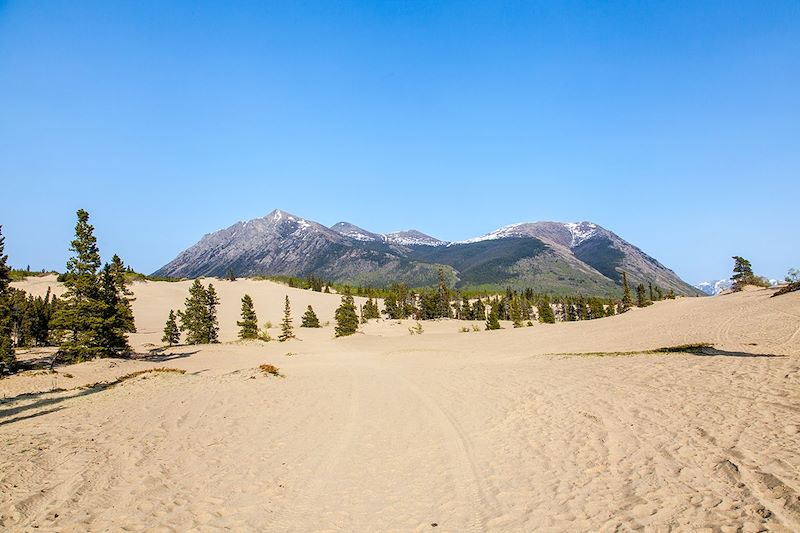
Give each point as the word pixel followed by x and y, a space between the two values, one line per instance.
pixel 674 124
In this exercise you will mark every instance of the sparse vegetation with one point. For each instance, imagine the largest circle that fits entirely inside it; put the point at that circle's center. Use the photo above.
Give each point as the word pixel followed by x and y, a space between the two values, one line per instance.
pixel 416 329
pixel 743 275
pixel 272 370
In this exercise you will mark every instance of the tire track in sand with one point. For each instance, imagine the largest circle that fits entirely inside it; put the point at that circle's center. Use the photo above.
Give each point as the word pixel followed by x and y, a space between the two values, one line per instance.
pixel 467 481
pixel 305 504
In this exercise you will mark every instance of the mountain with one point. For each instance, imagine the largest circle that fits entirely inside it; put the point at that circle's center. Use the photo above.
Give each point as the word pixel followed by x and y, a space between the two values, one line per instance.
pixel 712 288
pixel 551 257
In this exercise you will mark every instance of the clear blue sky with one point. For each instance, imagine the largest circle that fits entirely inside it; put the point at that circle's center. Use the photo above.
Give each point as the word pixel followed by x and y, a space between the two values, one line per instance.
pixel 674 124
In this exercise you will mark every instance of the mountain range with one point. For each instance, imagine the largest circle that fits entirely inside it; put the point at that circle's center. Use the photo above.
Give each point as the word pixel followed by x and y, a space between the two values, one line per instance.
pixel 551 257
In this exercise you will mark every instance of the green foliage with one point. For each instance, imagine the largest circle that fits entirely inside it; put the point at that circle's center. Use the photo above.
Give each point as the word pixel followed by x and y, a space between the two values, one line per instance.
pixel 370 310
pixel 793 276
pixel 627 302
pixel 199 317
pixel 346 317
pixel 287 331
pixel 309 319
pixel 641 296
pixel 248 325
pixel 95 316
pixel 8 359
pixel 492 322
pixel 546 315
pixel 172 334
pixel 743 275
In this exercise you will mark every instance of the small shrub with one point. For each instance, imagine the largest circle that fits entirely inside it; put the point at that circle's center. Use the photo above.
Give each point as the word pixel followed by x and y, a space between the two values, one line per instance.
pixel 792 287
pixel 475 327
pixel 416 330
pixel 270 369
pixel 464 330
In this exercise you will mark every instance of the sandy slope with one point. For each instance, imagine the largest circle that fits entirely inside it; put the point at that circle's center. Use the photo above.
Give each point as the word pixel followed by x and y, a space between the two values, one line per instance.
pixel 387 431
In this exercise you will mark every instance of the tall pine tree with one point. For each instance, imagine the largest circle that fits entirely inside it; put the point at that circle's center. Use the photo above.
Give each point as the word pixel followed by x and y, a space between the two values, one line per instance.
pixel 287 331
pixel 81 318
pixel 627 302
pixel 248 325
pixel 198 318
pixel 8 360
pixel 212 301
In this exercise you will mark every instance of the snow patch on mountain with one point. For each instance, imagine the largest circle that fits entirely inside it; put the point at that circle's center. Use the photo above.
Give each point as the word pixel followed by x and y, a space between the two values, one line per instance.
pixel 502 233
pixel 580 231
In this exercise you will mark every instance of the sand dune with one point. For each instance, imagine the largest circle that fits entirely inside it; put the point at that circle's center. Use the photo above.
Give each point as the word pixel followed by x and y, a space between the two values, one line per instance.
pixel 384 431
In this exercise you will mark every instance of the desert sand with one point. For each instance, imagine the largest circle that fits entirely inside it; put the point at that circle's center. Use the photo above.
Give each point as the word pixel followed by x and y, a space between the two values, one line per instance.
pixel 507 430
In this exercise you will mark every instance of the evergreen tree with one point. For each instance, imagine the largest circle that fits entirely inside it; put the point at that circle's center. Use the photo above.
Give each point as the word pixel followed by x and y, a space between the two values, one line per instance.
pixel 346 317
pixel 466 309
pixel 248 326
pixel 8 359
pixel 546 315
pixel 491 321
pixel 516 312
pixel 81 317
pixel 310 319
pixel 650 292
pixel 124 309
pixel 172 334
pixel 627 302
pixel 195 317
pixel 117 321
pixel 442 297
pixel 641 298
pixel 370 310
pixel 478 310
pixel 743 275
pixel 212 327
pixel 286 324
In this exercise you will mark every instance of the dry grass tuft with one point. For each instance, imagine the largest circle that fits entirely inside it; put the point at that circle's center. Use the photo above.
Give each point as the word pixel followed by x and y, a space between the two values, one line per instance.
pixel 270 369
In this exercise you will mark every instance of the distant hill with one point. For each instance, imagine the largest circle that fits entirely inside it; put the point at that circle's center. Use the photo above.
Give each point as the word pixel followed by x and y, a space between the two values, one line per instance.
pixel 551 257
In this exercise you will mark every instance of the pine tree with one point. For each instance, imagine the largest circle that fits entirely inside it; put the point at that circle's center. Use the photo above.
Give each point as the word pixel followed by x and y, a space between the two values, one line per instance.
pixel 286 323
pixel 8 359
pixel 346 317
pixel 248 326
pixel 370 310
pixel 516 312
pixel 478 310
pixel 627 302
pixel 641 298
pixel 117 320
pixel 546 315
pixel 442 297
pixel 172 334
pixel 82 315
pixel 310 319
pixel 211 326
pixel 124 305
pixel 195 317
pixel 651 293
pixel 491 321
pixel 743 275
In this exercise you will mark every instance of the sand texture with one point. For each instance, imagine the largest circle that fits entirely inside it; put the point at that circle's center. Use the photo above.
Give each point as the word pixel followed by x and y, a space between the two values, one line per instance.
pixel 384 431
